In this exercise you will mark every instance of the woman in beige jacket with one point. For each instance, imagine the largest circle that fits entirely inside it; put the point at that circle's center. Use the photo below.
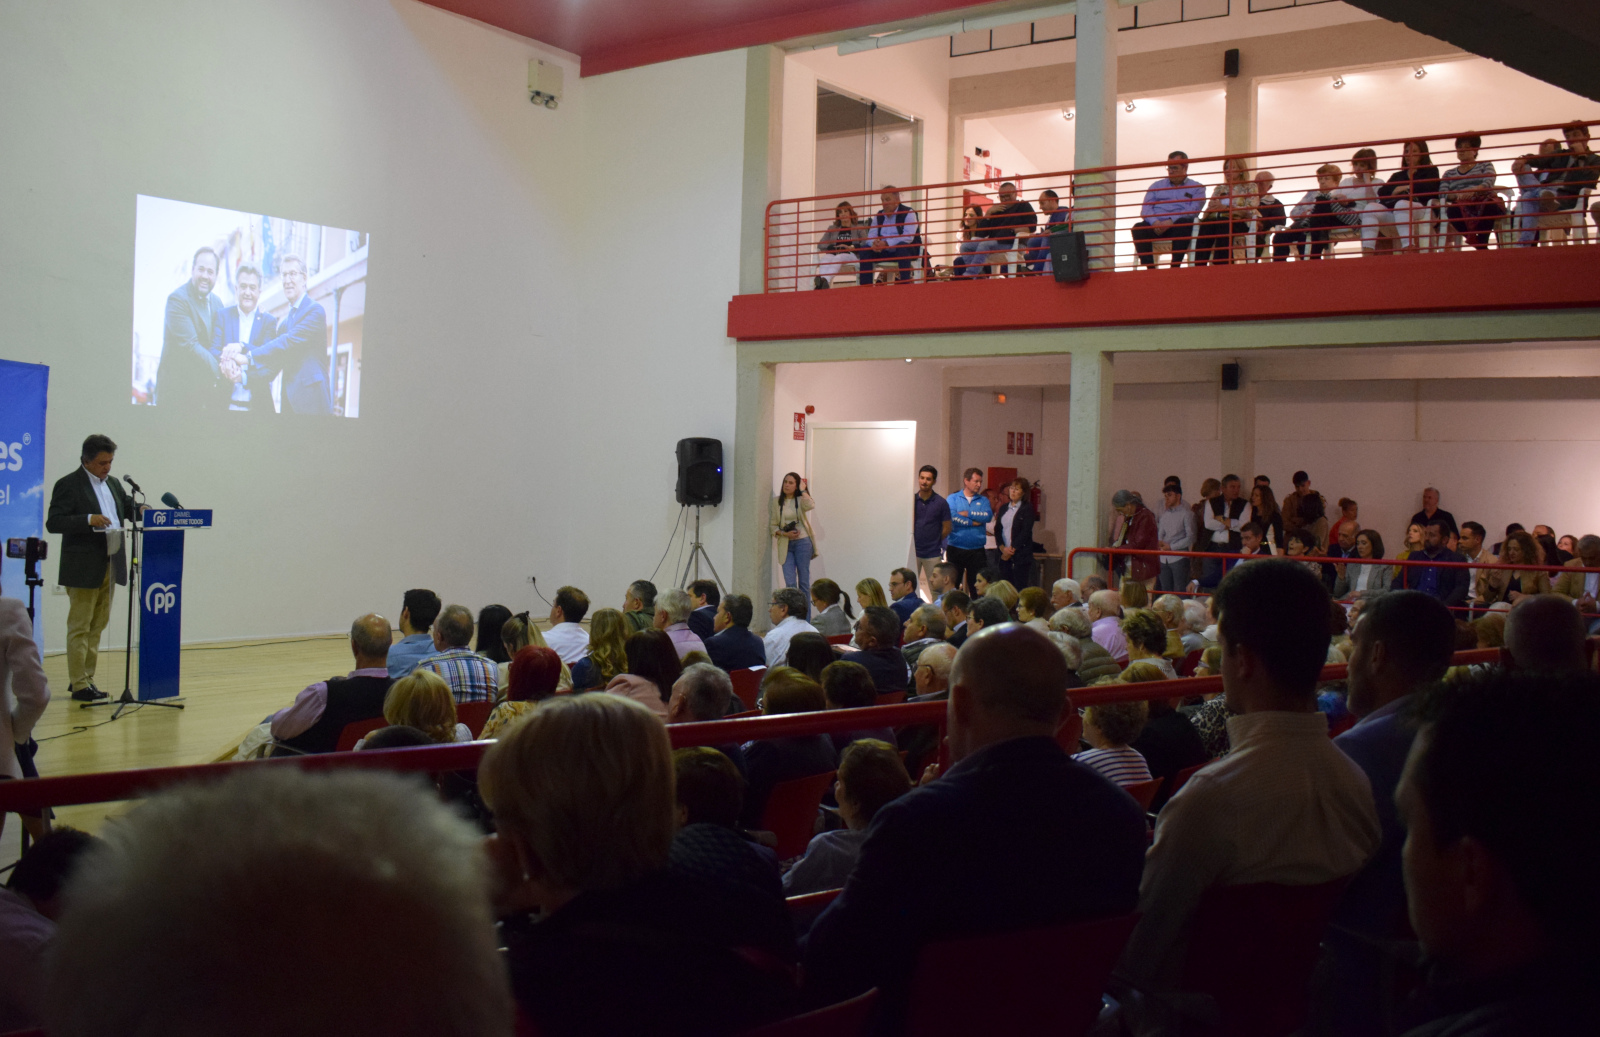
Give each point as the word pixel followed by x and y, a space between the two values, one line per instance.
pixel 789 521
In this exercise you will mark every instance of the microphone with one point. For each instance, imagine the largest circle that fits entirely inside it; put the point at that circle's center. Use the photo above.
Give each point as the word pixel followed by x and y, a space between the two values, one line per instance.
pixel 129 480
pixel 170 501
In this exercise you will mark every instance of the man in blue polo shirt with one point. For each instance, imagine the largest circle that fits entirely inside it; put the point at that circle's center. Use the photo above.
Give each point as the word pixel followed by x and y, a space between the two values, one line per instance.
pixel 970 516
pixel 930 522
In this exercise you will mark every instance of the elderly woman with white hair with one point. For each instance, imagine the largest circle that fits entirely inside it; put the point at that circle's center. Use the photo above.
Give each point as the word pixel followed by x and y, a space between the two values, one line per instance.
pixel 672 616
pixel 1094 662
pixel 1194 625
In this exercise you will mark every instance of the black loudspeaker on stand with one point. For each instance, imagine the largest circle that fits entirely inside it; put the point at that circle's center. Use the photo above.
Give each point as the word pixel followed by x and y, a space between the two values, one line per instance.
pixel 699 485
pixel 1069 256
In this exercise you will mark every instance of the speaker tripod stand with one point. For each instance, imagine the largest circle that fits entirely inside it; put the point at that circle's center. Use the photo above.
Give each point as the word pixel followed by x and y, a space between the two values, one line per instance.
pixel 697 551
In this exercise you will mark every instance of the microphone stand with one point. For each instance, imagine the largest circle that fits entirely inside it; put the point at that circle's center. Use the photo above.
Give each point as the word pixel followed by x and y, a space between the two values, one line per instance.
pixel 126 699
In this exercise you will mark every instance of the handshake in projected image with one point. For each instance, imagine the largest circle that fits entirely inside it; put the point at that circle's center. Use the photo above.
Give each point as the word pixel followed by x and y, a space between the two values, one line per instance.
pixel 267 314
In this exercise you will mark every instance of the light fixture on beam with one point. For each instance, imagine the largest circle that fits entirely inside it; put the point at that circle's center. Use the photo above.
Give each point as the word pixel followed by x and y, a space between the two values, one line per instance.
pixel 1067 113
pixel 1338 82
pixel 1420 72
pixel 1128 106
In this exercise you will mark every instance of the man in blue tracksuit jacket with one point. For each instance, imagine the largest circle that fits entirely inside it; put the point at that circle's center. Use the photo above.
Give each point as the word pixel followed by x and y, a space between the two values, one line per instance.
pixel 970 516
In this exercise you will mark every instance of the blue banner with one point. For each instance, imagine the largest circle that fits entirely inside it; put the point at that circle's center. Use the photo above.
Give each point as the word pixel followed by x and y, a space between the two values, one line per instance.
pixel 23 390
pixel 160 613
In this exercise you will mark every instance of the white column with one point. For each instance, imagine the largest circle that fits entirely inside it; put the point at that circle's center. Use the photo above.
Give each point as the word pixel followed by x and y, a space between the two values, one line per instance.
pixel 1095 125
pixel 749 481
pixel 1239 114
pixel 1089 454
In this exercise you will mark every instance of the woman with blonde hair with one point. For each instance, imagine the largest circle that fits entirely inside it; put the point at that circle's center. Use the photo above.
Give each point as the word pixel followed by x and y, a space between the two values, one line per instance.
pixel 1227 215
pixel 1003 592
pixel 582 794
pixel 1134 595
pixel 1413 542
pixel 520 632
pixel 833 616
pixel 422 700
pixel 608 650
pixel 869 592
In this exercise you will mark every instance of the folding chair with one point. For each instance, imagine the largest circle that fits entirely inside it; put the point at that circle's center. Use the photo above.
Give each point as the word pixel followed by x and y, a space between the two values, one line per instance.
pixel 791 812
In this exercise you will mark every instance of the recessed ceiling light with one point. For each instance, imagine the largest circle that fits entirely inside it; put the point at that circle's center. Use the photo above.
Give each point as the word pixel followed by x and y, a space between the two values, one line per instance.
pixel 1338 82
pixel 1067 113
pixel 1420 72
pixel 1129 106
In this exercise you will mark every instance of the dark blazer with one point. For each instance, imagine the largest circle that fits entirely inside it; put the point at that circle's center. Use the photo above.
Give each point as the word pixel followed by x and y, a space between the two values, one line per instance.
pixel 702 621
pixel 772 760
pixel 1019 567
pixel 1453 582
pixel 187 375
pixel 258 379
pixel 886 665
pixel 83 548
pixel 300 350
pixel 736 648
pixel 995 844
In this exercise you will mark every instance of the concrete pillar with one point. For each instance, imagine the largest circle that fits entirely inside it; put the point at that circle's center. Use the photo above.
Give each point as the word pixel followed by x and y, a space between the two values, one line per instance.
pixel 1236 428
pixel 750 485
pixel 1089 454
pixel 1239 118
pixel 1095 125
pixel 763 160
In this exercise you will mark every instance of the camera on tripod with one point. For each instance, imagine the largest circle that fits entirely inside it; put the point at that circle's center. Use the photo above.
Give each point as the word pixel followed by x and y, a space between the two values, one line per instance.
pixel 32 551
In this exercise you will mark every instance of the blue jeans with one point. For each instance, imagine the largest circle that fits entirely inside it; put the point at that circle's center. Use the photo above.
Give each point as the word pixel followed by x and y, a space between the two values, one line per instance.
pixel 797 566
pixel 1038 254
pixel 976 253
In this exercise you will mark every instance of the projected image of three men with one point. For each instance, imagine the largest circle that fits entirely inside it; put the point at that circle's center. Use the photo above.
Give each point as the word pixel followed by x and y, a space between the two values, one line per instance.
pixel 234 311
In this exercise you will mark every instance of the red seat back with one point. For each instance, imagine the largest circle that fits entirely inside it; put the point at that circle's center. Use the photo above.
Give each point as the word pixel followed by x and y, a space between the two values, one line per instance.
pixel 1143 792
pixel 744 714
pixel 474 715
pixel 845 1019
pixel 1186 666
pixel 1070 733
pixel 791 812
pixel 840 639
pixel 355 731
pixel 1252 949
pixel 1181 778
pixel 1042 981
pixel 747 684
pixel 891 698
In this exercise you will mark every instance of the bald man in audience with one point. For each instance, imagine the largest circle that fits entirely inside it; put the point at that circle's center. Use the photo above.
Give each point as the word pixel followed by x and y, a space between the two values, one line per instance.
pixel 320 712
pixel 1104 614
pixel 1544 634
pixel 995 844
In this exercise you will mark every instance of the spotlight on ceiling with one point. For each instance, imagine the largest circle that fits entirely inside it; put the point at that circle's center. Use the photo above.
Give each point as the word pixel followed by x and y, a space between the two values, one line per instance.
pixel 1338 82
pixel 1419 72
pixel 1067 113
pixel 1128 106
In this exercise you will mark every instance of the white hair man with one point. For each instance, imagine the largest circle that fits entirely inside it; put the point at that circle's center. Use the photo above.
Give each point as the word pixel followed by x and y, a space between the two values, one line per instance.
pixel 282 901
pixel 1065 593
pixel 1195 622
pixel 705 692
pixel 1094 661
pixel 1105 612
pixel 672 617
pixel 299 349
pixel 932 674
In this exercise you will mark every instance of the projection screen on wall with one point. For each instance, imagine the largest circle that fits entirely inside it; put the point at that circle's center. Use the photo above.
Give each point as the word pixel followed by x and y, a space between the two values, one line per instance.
pixel 236 311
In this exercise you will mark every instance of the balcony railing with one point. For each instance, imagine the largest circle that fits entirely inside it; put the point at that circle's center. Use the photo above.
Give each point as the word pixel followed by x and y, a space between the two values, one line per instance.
pixel 1219 213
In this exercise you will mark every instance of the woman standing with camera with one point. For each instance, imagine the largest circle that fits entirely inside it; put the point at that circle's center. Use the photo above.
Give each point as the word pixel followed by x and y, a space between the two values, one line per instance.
pixel 789 522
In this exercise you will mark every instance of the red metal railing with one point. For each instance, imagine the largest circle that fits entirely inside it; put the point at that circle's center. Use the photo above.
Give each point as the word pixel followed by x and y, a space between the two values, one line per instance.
pixel 74 789
pixel 1106 202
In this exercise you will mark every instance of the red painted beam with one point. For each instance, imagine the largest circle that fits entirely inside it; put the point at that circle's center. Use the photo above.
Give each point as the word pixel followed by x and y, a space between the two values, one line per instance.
pixel 1556 277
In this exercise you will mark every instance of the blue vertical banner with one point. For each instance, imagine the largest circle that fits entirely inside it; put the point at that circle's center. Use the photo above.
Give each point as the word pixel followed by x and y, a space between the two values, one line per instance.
pixel 160 612
pixel 23 392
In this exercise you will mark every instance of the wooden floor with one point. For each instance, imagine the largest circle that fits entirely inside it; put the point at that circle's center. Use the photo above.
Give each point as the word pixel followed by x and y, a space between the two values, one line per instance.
pixel 227 688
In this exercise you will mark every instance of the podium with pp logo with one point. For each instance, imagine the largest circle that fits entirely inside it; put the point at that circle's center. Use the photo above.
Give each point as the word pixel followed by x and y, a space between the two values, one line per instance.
pixel 161 598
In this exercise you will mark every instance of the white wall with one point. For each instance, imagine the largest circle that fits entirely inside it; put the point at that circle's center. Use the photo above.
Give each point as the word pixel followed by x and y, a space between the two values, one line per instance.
pixel 515 418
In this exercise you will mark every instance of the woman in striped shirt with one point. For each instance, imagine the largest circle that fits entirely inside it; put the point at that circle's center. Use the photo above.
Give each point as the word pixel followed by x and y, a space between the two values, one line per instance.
pixel 1109 728
pixel 1468 190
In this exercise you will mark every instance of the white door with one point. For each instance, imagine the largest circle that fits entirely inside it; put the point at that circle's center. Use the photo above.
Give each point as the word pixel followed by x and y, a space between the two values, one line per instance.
pixel 862 476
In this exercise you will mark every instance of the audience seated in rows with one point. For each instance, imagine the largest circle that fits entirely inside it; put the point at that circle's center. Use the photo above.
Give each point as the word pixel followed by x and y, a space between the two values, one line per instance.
pixel 1104 613
pixel 1146 639
pixel 1095 662
pixel 607 653
pixel 810 654
pixel 705 692
pixel 1033 608
pixel 733 646
pixel 521 631
pixel 705 596
pixel 833 615
pixel 878 638
pixel 931 682
pixel 535 674
pixel 847 684
pixel 653 668
pixel 788 615
pixel 924 629
pixel 903 598
pixel 956 606
pixel 423 701
pixel 285 901
pixel 871 776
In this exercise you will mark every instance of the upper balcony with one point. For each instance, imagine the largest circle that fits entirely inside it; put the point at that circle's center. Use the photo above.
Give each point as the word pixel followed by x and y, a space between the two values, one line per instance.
pixel 1403 239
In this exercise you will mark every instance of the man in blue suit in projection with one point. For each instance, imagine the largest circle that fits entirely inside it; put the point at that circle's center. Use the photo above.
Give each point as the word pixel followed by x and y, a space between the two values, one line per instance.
pixel 243 324
pixel 299 349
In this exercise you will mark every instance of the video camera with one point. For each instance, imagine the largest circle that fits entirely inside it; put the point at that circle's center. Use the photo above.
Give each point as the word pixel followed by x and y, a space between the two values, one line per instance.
pixel 32 551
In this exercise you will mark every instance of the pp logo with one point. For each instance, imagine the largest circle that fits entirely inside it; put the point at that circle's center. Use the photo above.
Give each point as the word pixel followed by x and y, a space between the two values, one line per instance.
pixel 161 597
pixel 160 518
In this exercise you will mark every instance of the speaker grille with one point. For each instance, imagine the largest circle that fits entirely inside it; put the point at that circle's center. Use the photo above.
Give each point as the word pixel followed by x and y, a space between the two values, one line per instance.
pixel 699 471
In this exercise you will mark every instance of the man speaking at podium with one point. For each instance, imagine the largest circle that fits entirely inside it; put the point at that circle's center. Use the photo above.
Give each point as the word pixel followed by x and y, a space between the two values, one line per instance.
pixel 88 508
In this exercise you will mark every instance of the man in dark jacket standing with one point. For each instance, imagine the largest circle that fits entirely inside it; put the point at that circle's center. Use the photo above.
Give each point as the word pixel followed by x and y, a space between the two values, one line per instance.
pixel 87 508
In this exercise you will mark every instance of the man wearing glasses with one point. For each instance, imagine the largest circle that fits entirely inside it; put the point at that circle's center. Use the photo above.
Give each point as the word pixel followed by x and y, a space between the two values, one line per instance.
pixel 1168 213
